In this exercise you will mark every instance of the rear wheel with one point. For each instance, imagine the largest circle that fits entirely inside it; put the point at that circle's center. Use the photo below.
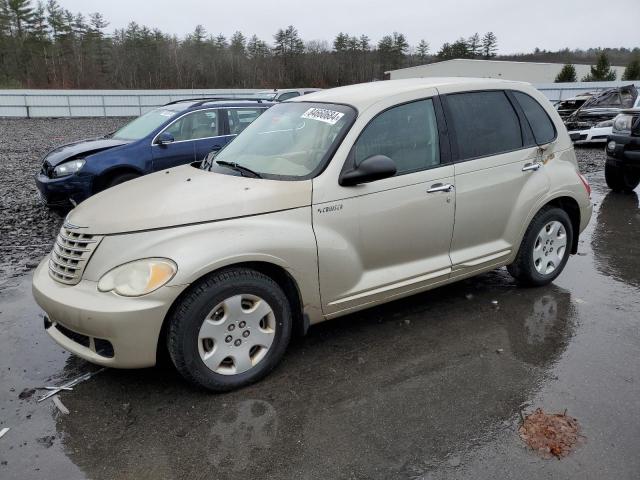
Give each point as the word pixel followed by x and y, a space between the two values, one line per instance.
pixel 545 248
pixel 230 330
pixel 620 178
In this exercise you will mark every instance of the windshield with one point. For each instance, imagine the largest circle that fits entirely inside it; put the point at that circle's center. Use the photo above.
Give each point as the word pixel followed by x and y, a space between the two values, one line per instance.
pixel 144 125
pixel 291 140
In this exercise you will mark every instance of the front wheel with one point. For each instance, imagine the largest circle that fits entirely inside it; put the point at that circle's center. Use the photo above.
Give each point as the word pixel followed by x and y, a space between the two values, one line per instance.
pixel 619 178
pixel 231 329
pixel 545 248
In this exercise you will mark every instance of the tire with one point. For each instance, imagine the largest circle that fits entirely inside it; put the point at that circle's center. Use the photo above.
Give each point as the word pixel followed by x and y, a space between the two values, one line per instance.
pixel 200 333
pixel 619 178
pixel 538 262
pixel 121 178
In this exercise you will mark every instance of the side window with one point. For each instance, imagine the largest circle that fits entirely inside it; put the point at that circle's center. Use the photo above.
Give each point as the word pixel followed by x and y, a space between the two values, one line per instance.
pixel 485 123
pixel 287 96
pixel 408 134
pixel 198 124
pixel 241 118
pixel 541 124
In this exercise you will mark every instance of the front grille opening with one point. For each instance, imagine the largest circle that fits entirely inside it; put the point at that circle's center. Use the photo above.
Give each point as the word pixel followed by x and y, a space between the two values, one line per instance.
pixel 103 347
pixel 70 255
pixel 83 340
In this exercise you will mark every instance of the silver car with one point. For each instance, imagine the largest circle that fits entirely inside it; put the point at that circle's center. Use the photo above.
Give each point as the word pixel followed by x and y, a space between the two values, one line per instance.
pixel 326 204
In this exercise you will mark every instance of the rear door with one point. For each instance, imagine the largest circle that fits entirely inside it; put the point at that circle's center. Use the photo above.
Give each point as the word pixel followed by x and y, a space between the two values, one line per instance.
pixel 498 177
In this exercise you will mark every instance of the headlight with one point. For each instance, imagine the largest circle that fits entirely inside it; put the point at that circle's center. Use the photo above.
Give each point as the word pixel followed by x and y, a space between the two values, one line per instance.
pixel 622 123
pixel 607 123
pixel 68 168
pixel 139 277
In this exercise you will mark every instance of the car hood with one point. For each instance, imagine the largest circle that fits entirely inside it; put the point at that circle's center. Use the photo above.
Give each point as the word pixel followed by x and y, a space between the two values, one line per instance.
pixel 81 148
pixel 182 196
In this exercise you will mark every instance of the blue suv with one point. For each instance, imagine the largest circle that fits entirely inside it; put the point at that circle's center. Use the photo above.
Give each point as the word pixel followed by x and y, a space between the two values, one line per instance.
pixel 179 132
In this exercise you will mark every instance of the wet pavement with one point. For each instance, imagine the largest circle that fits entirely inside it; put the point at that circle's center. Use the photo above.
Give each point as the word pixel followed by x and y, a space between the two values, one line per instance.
pixel 427 387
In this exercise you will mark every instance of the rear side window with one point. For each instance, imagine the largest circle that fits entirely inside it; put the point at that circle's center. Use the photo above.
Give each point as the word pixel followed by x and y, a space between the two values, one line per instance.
pixel 485 124
pixel 288 95
pixel 541 124
pixel 241 118
pixel 407 134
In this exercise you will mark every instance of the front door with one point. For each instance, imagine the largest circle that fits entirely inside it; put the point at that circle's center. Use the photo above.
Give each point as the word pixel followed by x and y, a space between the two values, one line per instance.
pixel 391 237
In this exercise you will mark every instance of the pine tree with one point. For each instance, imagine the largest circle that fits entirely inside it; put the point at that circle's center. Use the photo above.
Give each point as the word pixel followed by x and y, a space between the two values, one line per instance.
pixel 474 45
pixel 632 72
pixel 21 14
pixel 340 42
pixel 198 35
pixel 55 18
pixel 287 42
pixel 257 48
pixel 567 74
pixel 489 45
pixel 602 71
pixel 40 29
pixel 238 43
pixel 422 50
pixel 363 42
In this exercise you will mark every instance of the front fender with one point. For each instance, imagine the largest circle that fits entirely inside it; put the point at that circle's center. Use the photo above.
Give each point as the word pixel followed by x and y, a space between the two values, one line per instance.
pixel 283 238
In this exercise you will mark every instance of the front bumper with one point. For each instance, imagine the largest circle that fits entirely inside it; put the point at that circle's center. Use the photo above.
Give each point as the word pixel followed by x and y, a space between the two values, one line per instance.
pixel 65 191
pixel 590 135
pixel 626 150
pixel 83 320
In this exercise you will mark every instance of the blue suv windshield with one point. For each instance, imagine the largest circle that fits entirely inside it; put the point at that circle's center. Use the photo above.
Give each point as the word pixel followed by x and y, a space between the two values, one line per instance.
pixel 145 124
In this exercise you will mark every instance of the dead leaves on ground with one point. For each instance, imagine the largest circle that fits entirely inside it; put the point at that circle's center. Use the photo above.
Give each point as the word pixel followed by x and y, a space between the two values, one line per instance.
pixel 550 434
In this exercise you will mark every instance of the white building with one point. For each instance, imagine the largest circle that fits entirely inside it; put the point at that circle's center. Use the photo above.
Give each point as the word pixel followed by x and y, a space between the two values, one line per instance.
pixel 464 67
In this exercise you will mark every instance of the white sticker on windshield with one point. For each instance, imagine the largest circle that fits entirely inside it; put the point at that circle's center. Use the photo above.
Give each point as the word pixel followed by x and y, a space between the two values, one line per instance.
pixel 323 115
pixel 167 113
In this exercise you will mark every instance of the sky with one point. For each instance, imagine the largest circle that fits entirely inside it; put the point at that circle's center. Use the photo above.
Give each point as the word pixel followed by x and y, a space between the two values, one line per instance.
pixel 520 26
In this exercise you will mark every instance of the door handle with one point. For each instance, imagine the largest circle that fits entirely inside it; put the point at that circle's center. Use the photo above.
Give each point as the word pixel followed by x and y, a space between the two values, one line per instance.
pixel 440 187
pixel 531 167
pixel 215 148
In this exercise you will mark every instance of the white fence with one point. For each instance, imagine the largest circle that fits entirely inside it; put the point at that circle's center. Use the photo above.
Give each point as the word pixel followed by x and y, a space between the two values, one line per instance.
pixel 131 103
pixel 98 103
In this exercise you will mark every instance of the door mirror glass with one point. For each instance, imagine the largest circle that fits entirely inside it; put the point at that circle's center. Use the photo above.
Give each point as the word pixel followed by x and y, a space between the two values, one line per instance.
pixel 370 169
pixel 165 138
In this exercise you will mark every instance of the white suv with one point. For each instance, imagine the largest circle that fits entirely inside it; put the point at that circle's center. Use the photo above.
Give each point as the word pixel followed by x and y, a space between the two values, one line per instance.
pixel 326 204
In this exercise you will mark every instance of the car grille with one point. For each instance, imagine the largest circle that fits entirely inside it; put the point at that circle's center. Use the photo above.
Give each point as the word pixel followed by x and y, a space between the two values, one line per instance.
pixel 70 255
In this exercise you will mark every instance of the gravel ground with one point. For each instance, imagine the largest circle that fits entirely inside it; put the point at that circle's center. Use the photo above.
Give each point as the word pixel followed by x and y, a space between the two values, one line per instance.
pixel 27 229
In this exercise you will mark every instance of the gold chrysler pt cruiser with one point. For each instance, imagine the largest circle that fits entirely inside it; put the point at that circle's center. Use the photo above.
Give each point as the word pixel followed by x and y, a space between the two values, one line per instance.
pixel 325 205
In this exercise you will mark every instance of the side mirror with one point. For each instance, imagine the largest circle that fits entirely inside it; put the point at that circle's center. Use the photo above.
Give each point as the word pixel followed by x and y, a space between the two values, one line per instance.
pixel 370 169
pixel 165 138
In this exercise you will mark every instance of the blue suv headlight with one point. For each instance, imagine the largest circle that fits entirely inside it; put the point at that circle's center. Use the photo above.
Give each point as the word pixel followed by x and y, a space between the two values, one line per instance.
pixel 68 168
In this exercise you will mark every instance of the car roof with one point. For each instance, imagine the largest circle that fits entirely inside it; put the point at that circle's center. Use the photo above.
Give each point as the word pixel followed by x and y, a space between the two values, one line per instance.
pixel 363 95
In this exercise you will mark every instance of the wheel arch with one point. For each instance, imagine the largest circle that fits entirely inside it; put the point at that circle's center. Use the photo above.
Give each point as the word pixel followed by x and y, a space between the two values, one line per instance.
pixel 276 272
pixel 106 176
pixel 571 206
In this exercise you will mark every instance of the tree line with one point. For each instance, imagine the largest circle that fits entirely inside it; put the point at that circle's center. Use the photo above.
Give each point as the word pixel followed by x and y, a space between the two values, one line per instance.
pixel 43 45
pixel 601 71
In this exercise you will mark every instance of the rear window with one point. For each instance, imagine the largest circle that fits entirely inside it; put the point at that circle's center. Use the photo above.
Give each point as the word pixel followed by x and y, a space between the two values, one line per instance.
pixel 541 124
pixel 485 124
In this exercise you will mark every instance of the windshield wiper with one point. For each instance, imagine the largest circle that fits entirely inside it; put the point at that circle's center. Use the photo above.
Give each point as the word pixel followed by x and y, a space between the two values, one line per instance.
pixel 238 168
